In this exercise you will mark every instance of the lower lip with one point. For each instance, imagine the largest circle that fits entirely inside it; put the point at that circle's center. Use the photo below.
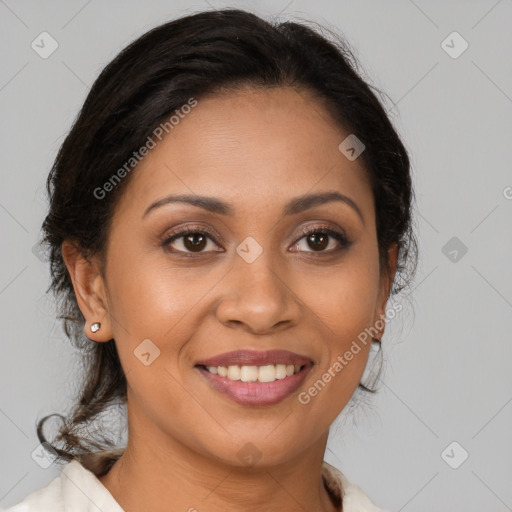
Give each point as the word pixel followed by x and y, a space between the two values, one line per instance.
pixel 256 393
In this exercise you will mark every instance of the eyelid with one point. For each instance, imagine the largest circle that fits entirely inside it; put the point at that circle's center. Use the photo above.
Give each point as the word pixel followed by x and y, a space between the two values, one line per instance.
pixel 306 230
pixel 183 231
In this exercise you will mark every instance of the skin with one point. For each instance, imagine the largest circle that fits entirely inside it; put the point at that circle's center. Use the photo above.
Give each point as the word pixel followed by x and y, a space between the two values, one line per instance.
pixel 256 150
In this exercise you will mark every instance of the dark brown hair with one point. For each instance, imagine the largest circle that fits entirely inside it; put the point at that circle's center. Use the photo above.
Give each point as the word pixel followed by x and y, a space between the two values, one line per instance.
pixel 195 56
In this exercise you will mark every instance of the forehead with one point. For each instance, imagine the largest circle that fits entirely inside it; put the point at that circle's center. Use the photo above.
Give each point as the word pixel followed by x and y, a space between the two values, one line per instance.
pixel 250 145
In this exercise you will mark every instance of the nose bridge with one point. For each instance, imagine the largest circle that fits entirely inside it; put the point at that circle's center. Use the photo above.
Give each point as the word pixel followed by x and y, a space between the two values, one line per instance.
pixel 257 294
pixel 257 275
pixel 260 275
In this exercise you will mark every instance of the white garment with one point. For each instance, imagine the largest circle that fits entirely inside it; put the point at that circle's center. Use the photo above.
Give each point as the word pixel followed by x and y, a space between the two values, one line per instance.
pixel 78 490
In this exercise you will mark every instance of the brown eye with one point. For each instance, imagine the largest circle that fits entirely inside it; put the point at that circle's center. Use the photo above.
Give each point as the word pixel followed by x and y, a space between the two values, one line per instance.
pixel 188 240
pixel 319 239
pixel 195 242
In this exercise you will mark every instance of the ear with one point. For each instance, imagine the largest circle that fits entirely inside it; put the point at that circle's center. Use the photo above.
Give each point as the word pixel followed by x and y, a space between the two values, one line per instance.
pixel 386 281
pixel 90 291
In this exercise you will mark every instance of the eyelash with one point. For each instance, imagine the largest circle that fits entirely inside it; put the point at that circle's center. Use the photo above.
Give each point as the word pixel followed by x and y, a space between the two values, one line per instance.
pixel 344 242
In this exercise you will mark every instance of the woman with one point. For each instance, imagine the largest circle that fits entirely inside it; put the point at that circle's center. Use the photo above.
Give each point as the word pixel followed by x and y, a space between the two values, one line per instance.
pixel 228 217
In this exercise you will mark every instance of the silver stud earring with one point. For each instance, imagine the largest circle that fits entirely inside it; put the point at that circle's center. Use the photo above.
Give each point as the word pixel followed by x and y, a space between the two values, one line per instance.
pixel 95 327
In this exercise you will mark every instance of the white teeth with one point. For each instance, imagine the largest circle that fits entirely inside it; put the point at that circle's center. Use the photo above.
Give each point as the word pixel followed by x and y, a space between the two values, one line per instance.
pixel 266 373
pixel 234 372
pixel 248 373
pixel 280 371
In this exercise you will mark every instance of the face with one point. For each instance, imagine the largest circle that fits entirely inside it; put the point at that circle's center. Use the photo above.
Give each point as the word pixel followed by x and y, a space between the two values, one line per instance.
pixel 246 278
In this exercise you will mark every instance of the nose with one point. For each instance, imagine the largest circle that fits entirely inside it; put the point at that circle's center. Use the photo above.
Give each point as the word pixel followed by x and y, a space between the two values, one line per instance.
pixel 257 298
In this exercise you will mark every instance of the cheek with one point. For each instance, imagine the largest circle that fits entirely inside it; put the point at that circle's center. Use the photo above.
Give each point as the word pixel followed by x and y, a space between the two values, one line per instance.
pixel 153 300
pixel 150 324
pixel 344 303
pixel 148 295
pixel 344 298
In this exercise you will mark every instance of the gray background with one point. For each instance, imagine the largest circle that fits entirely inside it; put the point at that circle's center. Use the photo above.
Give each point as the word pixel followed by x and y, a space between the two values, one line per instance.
pixel 448 371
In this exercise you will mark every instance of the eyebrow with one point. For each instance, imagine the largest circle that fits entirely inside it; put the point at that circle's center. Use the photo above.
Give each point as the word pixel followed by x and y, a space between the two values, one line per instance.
pixel 294 206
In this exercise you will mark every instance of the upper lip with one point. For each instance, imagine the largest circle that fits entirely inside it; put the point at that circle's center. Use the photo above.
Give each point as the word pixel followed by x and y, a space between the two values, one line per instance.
pixel 255 358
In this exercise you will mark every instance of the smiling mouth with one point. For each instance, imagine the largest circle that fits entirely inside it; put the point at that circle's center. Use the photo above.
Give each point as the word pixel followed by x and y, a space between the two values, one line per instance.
pixel 255 385
pixel 253 373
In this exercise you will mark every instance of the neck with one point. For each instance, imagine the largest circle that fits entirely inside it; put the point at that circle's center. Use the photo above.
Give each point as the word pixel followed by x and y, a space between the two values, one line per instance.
pixel 165 475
